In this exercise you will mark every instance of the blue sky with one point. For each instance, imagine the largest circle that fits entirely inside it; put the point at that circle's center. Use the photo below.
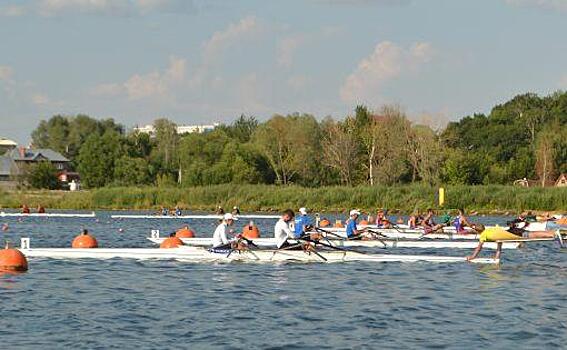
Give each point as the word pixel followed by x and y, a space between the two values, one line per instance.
pixel 206 61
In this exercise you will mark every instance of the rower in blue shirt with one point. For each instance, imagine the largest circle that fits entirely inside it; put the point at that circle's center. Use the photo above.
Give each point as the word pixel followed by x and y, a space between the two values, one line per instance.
pixel 352 230
pixel 302 223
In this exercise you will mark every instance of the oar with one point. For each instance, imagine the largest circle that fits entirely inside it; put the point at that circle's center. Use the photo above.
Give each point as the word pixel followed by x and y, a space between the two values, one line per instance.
pixel 318 229
pixel 321 243
pixel 313 251
pixel 250 242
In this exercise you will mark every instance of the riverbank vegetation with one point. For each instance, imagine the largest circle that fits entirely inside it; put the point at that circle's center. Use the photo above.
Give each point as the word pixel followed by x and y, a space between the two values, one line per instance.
pixel 525 137
pixel 405 198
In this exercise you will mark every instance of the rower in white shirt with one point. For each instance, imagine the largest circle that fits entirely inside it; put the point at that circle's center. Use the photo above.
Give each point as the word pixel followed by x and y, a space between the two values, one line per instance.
pixel 220 237
pixel 282 231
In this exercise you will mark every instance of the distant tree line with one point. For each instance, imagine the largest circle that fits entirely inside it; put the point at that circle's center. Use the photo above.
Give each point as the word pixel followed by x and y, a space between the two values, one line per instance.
pixel 524 137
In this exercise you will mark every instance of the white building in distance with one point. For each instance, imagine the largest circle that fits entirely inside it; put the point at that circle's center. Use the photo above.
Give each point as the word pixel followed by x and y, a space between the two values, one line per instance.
pixel 181 129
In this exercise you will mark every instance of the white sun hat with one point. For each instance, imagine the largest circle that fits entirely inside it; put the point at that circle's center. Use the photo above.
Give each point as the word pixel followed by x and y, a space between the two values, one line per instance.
pixel 303 211
pixel 229 216
pixel 354 212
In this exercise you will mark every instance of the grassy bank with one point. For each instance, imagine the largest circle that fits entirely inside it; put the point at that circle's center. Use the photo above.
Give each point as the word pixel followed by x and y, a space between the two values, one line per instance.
pixel 268 198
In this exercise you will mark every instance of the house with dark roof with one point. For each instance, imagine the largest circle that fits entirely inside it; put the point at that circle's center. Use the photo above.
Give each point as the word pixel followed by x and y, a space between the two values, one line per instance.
pixel 15 161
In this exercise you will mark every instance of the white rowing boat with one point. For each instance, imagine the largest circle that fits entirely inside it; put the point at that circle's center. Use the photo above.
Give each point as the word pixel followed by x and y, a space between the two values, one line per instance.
pixel 196 254
pixel 385 243
pixel 50 215
pixel 173 217
pixel 409 234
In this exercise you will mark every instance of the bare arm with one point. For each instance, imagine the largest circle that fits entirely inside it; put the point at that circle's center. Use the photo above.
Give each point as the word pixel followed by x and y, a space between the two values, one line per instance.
pixel 476 251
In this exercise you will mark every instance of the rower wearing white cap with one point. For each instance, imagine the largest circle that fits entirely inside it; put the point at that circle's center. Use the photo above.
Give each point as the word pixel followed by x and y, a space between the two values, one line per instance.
pixel 282 231
pixel 220 237
pixel 302 222
pixel 352 230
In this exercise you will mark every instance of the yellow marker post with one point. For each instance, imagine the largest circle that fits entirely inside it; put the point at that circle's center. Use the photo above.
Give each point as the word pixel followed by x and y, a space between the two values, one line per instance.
pixel 441 196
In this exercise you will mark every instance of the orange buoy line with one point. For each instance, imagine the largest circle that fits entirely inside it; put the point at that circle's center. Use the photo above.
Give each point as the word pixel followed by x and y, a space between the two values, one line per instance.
pixel 12 260
pixel 185 232
pixel 251 231
pixel 171 242
pixel 84 240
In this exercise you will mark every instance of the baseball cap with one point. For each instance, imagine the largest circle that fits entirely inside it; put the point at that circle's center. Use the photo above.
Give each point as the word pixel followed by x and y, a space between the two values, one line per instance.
pixel 303 211
pixel 354 212
pixel 229 216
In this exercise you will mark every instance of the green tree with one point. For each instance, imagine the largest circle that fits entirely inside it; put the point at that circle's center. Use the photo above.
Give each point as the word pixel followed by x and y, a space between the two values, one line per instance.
pixel 97 159
pixel 42 175
pixel 131 171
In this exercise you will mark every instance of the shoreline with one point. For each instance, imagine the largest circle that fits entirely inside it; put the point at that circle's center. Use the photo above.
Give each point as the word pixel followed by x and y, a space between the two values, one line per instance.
pixel 402 199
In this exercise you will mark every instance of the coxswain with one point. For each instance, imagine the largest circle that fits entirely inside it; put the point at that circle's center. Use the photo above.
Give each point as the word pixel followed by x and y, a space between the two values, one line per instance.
pixel 512 233
pixel 220 237
pixel 25 209
pixel 235 211
pixel 40 209
pixel 352 231
pixel 302 222
pixel 461 222
pixel 282 231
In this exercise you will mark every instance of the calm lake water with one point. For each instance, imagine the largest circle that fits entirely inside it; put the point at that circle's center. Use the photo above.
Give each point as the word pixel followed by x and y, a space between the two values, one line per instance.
pixel 126 304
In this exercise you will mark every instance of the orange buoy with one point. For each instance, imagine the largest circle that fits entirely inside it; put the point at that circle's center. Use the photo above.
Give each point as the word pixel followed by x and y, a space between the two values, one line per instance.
pixel 562 221
pixel 171 242
pixel 185 232
pixel 339 224
pixel 363 223
pixel 324 223
pixel 84 240
pixel 13 260
pixel 251 231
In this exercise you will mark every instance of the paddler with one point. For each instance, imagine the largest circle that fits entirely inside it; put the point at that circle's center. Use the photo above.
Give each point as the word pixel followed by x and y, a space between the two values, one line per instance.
pixel 302 222
pixel 461 221
pixel 220 237
pixel 494 234
pixel 352 231
pixel 282 231
pixel 428 223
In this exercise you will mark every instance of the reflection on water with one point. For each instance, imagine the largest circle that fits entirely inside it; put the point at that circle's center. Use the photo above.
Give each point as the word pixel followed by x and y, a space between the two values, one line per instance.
pixel 129 304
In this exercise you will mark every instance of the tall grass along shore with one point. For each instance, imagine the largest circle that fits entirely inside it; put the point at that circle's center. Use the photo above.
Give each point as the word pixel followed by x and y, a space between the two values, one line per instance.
pixel 404 198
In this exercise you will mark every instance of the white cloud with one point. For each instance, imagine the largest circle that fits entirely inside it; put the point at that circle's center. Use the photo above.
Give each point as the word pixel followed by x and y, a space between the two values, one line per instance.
pixel 40 99
pixel 97 7
pixel 5 72
pixel 388 61
pixel 220 40
pixel 153 84
pixel 286 50
pixel 554 5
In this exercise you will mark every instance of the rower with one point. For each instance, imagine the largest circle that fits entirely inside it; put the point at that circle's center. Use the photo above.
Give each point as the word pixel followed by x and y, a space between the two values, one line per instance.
pixel 429 225
pixel 220 237
pixel 302 222
pixel 498 234
pixel 220 210
pixel 25 209
pixel 178 211
pixel 414 220
pixel 352 231
pixel 164 211
pixel 40 209
pixel 235 211
pixel 461 222
pixel 282 231
pixel 381 219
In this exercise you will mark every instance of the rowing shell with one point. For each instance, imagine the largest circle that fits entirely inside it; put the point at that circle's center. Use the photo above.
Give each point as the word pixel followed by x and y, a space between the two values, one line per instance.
pixel 172 217
pixel 386 243
pixel 50 215
pixel 410 234
pixel 194 254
